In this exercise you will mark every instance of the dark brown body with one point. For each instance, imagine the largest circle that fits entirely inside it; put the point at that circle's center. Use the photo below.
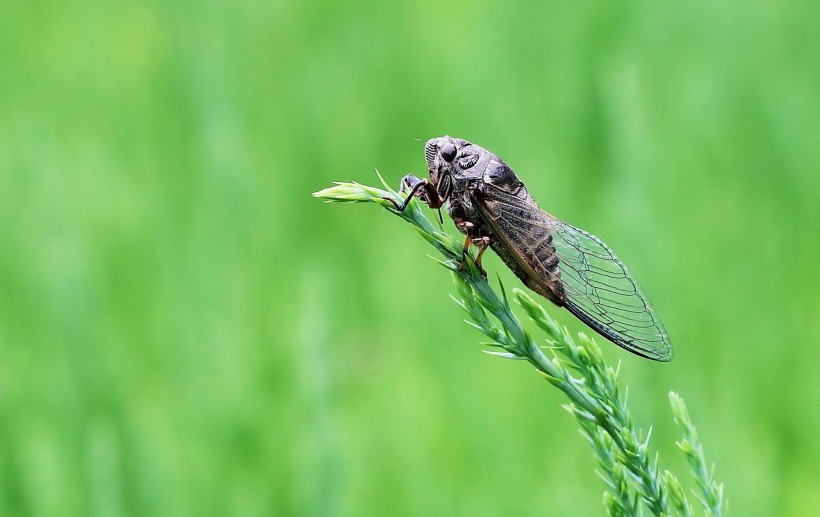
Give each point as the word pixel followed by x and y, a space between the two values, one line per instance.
pixel 569 266
pixel 463 209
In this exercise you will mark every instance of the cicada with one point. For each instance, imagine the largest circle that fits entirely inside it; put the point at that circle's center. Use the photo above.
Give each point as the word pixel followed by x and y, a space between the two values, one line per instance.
pixel 570 267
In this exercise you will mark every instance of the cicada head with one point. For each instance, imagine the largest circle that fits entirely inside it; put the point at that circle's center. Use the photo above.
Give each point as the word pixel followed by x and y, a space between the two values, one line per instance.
pixel 451 158
pixel 454 159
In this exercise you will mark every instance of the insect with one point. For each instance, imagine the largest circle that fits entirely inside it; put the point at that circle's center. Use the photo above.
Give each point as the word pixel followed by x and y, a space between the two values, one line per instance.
pixel 570 267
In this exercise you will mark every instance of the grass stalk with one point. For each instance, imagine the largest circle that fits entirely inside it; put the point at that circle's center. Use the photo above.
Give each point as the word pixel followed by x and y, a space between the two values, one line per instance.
pixel 630 473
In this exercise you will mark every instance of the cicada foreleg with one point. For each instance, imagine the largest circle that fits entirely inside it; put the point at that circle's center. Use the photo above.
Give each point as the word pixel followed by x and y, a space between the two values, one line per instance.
pixel 420 187
pixel 470 239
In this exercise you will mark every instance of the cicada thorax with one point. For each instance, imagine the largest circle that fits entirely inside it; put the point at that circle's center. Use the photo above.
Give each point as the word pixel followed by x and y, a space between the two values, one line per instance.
pixel 472 195
pixel 499 175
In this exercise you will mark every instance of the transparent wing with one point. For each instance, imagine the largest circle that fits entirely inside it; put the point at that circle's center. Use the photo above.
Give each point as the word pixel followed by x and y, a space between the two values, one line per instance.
pixel 592 283
pixel 602 293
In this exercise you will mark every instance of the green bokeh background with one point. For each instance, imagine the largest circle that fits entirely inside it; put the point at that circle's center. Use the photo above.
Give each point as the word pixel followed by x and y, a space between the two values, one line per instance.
pixel 185 331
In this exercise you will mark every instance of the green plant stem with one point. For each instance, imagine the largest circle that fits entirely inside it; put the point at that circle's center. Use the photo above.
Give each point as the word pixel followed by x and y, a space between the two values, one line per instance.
pixel 576 369
pixel 711 493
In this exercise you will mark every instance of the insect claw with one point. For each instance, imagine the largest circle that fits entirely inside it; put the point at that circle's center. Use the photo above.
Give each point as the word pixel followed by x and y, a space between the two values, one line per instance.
pixel 398 207
pixel 483 243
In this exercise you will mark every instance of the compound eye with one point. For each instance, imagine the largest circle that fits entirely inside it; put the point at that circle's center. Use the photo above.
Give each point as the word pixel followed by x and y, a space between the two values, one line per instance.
pixel 448 152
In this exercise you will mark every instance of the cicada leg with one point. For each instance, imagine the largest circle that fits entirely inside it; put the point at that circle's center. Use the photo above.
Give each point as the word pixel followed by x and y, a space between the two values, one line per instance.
pixel 483 243
pixel 420 187
pixel 470 240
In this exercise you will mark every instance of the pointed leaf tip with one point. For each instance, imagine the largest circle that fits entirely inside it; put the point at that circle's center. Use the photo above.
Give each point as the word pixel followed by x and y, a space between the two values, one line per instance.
pixel 381 179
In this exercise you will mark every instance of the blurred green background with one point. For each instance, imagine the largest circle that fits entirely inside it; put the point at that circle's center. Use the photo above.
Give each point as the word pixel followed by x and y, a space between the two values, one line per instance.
pixel 185 331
